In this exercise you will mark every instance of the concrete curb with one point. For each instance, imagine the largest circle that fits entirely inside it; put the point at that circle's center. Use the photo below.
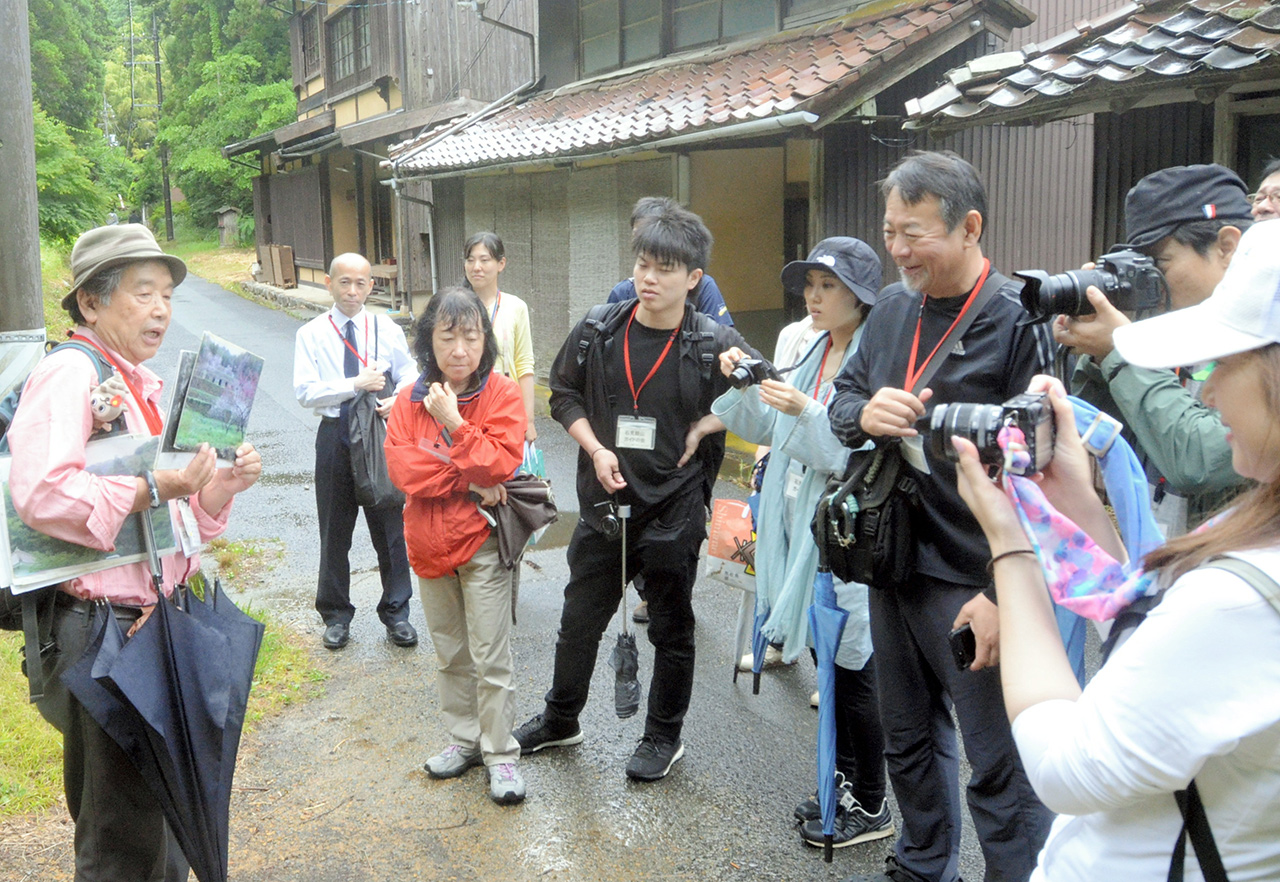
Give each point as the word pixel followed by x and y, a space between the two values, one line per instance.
pixel 289 298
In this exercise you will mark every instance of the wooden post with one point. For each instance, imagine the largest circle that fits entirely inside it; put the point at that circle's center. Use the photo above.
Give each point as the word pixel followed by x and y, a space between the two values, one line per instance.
pixel 21 306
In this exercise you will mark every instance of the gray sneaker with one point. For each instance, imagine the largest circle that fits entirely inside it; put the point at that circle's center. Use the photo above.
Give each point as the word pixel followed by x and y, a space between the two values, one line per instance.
pixel 453 761
pixel 854 824
pixel 506 786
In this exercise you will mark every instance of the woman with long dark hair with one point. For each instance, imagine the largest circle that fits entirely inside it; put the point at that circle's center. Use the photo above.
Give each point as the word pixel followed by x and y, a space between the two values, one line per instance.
pixel 452 439
pixel 1188 707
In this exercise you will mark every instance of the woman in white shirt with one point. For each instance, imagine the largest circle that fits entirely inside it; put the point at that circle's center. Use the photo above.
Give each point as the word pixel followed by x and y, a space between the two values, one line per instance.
pixel 484 259
pixel 1194 693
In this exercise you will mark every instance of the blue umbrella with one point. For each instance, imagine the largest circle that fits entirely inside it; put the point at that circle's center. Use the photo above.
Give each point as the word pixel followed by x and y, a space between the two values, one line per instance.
pixel 826 624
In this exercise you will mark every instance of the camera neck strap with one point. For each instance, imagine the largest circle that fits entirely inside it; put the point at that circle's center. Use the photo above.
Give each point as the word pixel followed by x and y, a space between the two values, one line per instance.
pixel 983 290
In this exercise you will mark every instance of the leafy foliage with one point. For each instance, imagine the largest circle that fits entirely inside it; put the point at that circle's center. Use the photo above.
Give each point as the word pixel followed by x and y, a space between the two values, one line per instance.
pixel 70 200
pixel 228 102
pixel 68 41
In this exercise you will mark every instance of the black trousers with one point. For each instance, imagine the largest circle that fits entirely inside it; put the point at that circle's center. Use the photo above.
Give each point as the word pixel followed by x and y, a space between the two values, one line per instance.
pixel 665 549
pixel 859 735
pixel 121 833
pixel 919 684
pixel 336 507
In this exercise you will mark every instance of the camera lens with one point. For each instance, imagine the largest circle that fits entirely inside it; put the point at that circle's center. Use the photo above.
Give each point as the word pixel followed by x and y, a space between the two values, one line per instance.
pixel 978 423
pixel 610 526
pixel 1044 296
pixel 741 377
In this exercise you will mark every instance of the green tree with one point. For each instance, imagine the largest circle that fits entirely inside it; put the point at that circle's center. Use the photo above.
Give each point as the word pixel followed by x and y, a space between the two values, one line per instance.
pixel 70 201
pixel 68 41
pixel 228 103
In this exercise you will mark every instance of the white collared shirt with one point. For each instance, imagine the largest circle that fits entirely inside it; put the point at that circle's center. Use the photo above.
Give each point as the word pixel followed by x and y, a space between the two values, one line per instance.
pixel 319 379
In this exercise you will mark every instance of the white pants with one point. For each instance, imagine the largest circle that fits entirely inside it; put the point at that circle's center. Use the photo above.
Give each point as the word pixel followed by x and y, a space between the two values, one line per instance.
pixel 469 616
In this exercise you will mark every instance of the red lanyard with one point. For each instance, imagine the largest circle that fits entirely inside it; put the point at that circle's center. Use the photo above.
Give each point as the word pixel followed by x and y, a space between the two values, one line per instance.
pixel 626 361
pixel 914 375
pixel 149 411
pixel 817 386
pixel 363 361
pixel 497 301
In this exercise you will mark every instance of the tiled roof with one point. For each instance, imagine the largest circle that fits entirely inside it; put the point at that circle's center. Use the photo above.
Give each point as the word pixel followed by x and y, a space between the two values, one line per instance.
pixel 818 69
pixel 1112 63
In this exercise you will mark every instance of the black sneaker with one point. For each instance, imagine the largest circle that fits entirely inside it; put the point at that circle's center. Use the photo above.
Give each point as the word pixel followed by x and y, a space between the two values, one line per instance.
pixel 653 758
pixel 854 824
pixel 535 734
pixel 893 872
pixel 811 809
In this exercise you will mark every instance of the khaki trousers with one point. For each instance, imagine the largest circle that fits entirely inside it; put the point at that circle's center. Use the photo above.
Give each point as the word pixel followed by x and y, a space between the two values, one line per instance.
pixel 469 616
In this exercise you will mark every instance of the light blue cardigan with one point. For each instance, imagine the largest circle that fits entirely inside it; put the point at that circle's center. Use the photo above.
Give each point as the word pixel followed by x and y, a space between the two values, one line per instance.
pixel 786 556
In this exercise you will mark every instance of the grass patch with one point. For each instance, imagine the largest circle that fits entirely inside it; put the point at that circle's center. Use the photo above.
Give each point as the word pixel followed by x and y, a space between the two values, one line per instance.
pixel 199 249
pixel 55 280
pixel 31 749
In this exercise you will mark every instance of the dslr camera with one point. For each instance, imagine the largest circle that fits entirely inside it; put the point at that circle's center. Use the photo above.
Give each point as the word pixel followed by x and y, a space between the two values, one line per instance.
pixel 1128 278
pixel 610 522
pixel 750 371
pixel 981 424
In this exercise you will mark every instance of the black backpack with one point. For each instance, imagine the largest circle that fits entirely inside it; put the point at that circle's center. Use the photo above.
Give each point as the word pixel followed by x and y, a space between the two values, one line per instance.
pixel 32 611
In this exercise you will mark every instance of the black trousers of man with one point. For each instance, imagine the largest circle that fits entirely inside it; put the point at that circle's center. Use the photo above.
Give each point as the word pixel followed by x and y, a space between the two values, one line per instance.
pixel 665 548
pixel 337 509
pixel 121 832
pixel 919 683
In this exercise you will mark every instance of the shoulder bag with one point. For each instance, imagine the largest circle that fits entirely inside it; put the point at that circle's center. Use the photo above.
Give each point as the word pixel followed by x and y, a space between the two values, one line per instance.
pixel 865 522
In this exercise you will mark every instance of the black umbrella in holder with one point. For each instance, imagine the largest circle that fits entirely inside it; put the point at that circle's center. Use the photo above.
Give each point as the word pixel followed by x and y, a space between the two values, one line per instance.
pixel 625 658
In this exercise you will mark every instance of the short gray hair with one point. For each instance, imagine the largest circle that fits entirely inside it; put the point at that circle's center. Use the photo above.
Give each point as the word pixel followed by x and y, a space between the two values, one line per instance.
pixel 944 175
pixel 100 286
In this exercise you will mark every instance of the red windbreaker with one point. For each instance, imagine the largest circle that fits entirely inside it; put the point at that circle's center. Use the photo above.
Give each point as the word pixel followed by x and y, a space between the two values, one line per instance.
pixel 442 528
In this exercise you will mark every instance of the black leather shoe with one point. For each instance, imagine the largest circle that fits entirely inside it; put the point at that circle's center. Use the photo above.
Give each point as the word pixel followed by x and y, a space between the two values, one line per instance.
pixel 402 634
pixel 336 636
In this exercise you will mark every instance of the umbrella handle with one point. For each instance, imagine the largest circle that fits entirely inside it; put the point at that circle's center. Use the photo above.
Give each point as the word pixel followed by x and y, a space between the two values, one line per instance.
pixel 153 553
pixel 624 512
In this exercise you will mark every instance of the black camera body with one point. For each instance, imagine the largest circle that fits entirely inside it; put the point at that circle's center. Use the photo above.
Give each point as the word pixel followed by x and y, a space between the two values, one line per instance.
pixel 610 523
pixel 1128 278
pixel 981 424
pixel 750 371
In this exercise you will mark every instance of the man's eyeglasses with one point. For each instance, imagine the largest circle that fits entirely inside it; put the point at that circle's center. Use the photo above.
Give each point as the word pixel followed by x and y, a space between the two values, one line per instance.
pixel 1272 196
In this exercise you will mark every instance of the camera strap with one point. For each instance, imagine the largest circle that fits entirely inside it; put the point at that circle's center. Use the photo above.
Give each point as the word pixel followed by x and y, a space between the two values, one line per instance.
pixel 991 283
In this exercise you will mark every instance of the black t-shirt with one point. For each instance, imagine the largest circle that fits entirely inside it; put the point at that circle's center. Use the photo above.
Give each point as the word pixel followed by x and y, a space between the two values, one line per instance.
pixel 651 475
pixel 995 360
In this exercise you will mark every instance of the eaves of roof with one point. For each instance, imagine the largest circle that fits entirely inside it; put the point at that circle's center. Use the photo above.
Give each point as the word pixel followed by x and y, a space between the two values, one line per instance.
pixel 824 71
pixel 1141 54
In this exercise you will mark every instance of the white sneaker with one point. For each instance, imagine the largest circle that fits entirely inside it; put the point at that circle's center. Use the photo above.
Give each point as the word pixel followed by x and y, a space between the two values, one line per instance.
pixel 772 659
pixel 506 786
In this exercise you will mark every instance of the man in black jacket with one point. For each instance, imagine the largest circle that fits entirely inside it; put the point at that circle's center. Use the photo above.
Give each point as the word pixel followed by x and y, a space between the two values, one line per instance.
pixel 633 385
pixel 935 208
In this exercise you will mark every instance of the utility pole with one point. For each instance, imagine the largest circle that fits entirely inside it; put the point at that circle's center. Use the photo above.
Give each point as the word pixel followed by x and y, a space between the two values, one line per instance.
pixel 164 148
pixel 21 305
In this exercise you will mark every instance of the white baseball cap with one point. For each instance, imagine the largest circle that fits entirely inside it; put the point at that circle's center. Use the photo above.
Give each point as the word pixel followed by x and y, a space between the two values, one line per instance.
pixel 1243 312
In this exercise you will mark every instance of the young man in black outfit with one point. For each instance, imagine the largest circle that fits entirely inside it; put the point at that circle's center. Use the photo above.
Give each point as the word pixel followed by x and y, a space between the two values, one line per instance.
pixel 633 385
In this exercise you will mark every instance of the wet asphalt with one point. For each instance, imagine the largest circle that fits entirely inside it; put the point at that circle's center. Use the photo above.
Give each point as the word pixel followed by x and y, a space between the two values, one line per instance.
pixel 333 789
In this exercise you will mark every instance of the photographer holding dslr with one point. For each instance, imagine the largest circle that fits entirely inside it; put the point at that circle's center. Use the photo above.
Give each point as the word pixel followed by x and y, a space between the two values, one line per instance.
pixel 1193 696
pixel 1188 219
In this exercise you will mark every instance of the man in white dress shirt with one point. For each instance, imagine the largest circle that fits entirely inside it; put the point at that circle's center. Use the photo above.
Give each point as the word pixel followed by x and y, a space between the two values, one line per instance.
pixel 346 350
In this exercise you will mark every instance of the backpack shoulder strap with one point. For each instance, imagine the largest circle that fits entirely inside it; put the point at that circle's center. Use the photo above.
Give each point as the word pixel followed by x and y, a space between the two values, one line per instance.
pixel 1257 579
pixel 593 325
pixel 702 334
pixel 105 370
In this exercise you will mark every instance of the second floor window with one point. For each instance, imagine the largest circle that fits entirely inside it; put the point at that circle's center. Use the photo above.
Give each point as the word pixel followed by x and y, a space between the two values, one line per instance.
pixel 349 56
pixel 311 43
pixel 616 33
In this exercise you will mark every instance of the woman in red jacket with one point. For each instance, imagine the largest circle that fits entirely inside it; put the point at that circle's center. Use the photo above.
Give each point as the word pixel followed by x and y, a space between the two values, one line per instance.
pixel 452 439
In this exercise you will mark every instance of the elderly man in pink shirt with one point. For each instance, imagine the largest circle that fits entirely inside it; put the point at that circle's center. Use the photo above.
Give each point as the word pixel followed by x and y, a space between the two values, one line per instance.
pixel 121 302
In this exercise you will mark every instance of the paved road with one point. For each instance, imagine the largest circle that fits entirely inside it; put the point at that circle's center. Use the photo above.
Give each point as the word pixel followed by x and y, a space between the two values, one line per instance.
pixel 334 790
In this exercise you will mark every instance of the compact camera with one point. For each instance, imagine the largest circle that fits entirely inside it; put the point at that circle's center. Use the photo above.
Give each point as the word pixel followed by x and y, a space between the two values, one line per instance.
pixel 610 524
pixel 750 371
pixel 1128 278
pixel 981 424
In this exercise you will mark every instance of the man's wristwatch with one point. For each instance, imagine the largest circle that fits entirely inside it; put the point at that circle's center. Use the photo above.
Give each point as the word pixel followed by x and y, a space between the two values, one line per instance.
pixel 152 489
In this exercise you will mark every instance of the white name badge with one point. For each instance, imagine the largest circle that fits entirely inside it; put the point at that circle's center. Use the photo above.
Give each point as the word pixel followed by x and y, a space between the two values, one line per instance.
pixel 794 480
pixel 189 530
pixel 637 433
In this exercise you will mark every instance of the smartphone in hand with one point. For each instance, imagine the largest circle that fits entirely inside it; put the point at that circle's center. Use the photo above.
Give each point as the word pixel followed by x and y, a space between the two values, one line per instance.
pixel 964 646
